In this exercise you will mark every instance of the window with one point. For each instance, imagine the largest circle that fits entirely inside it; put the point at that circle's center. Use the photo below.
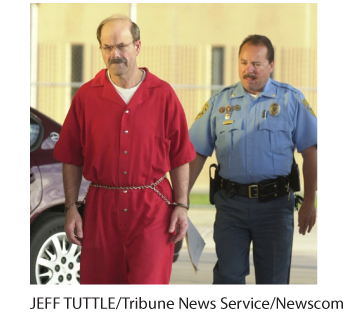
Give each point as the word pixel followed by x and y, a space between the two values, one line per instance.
pixel 217 69
pixel 36 133
pixel 76 67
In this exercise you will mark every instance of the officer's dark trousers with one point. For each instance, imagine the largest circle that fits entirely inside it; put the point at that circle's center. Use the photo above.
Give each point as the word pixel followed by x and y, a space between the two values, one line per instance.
pixel 268 225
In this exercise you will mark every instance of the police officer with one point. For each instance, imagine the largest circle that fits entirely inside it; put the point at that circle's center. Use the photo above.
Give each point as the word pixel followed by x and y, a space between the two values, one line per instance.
pixel 254 126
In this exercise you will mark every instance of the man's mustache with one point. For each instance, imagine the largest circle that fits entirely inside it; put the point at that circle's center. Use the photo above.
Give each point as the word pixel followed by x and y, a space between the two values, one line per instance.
pixel 250 76
pixel 117 61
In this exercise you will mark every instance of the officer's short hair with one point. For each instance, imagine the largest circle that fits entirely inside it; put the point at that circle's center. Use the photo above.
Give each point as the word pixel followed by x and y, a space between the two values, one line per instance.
pixel 257 40
pixel 134 29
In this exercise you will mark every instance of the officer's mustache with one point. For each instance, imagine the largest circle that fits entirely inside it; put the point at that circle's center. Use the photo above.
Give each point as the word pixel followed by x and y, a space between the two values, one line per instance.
pixel 249 76
pixel 117 61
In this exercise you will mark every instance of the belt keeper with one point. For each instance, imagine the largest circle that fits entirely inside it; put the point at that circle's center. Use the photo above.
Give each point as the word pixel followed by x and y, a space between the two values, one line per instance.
pixel 180 204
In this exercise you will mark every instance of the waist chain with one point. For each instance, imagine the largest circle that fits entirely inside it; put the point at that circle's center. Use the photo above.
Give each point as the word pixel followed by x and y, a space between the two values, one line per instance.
pixel 151 186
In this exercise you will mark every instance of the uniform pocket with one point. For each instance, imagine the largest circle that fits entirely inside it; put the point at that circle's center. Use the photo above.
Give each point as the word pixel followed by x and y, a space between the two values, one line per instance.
pixel 232 135
pixel 277 133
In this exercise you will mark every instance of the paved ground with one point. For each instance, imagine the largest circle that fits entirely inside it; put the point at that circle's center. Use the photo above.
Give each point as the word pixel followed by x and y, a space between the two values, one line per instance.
pixel 303 264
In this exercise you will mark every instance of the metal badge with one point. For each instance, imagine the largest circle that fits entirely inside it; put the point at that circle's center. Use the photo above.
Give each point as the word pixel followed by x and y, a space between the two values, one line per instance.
pixel 228 122
pixel 228 111
pixel 274 109
pixel 237 107
pixel 221 109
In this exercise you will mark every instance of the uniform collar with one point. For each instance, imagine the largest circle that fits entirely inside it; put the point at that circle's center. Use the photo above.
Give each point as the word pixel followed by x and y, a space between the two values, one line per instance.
pixel 269 90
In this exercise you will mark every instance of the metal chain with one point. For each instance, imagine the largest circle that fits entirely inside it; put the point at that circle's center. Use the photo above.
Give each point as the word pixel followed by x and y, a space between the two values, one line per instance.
pixel 151 186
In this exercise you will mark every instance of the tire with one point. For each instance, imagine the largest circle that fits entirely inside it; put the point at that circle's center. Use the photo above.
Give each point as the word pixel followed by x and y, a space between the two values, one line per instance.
pixel 53 259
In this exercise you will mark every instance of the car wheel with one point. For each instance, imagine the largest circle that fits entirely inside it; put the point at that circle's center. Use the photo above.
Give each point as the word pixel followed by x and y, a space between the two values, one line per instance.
pixel 53 259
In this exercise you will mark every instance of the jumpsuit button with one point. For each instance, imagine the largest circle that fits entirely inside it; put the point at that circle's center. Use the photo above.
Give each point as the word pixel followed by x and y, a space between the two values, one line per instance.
pixel 125 191
pixel 125 173
pixel 126 131
pixel 127 111
pixel 125 210
pixel 125 152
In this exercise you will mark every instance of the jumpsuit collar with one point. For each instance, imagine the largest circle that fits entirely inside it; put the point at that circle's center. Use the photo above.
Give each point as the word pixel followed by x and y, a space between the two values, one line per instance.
pixel 140 96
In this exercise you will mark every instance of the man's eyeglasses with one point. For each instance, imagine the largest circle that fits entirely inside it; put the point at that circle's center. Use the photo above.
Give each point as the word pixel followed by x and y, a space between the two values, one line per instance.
pixel 121 48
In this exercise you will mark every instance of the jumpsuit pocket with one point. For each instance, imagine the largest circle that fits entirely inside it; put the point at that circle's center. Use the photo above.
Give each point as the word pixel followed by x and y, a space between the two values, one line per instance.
pixel 161 152
pixel 276 132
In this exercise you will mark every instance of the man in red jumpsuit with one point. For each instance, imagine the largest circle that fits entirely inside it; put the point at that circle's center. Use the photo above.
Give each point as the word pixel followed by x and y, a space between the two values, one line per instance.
pixel 124 131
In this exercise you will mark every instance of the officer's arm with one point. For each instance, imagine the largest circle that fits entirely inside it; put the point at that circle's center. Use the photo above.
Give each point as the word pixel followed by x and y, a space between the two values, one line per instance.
pixel 195 169
pixel 72 177
pixel 307 212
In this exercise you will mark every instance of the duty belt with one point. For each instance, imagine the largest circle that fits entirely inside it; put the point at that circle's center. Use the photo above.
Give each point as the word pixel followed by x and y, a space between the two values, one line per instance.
pixel 265 190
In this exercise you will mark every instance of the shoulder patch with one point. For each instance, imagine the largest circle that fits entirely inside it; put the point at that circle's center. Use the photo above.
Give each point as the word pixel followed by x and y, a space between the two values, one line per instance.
pixel 203 111
pixel 307 106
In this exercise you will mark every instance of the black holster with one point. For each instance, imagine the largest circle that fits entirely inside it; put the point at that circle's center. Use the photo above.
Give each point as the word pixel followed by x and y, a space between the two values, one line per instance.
pixel 294 177
pixel 214 182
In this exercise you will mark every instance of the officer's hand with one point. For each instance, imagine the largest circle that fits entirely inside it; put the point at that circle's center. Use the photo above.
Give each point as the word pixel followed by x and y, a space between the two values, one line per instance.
pixel 307 217
pixel 179 217
pixel 73 222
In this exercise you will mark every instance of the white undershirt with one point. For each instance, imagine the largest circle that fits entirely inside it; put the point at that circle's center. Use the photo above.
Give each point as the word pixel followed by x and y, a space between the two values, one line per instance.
pixel 126 94
pixel 253 96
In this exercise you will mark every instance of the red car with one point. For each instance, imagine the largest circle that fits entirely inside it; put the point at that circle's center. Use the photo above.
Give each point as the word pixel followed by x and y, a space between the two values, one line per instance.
pixel 53 259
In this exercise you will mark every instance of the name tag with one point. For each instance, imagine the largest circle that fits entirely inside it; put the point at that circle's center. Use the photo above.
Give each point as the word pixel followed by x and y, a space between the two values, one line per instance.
pixel 228 122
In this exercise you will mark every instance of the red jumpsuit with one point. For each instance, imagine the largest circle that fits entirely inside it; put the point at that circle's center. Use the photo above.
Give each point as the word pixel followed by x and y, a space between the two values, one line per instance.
pixel 126 238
